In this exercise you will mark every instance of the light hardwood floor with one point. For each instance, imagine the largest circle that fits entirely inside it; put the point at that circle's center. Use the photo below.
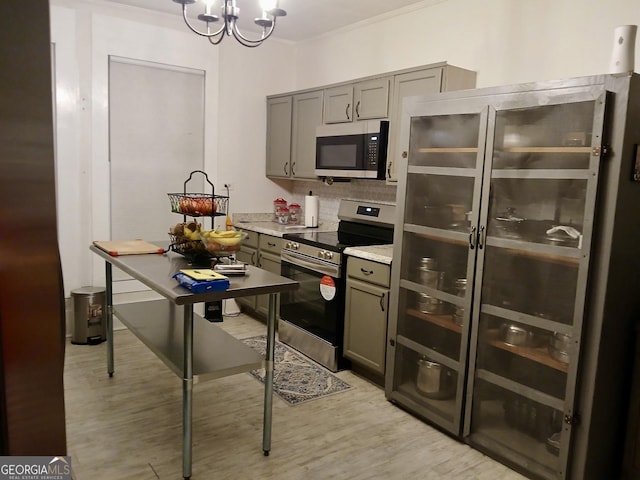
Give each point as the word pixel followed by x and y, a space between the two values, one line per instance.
pixel 129 426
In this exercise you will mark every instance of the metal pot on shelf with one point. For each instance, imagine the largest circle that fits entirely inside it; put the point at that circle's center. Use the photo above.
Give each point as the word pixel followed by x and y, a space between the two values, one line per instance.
pixel 434 380
pixel 429 276
pixel 560 346
pixel 518 336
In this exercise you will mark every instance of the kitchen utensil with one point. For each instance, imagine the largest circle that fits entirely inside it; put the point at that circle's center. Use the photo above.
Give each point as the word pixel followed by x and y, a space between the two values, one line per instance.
pixel 560 347
pixel 513 335
pixel 434 380
pixel 433 279
pixel 282 215
pixel 509 225
pixel 461 289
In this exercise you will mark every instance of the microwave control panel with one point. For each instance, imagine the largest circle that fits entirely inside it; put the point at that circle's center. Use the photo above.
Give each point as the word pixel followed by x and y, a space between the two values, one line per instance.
pixel 372 151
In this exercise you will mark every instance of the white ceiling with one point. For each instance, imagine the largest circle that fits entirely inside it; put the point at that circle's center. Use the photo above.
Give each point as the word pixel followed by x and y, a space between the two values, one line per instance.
pixel 305 18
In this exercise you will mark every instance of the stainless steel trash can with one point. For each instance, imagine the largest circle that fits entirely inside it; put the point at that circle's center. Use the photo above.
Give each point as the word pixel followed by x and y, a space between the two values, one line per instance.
pixel 89 316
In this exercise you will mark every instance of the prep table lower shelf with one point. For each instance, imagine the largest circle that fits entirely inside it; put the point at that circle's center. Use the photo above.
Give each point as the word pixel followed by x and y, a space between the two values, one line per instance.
pixel 159 325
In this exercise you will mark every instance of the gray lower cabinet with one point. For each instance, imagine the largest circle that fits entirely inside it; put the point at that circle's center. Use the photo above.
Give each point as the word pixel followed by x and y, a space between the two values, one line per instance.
pixel 263 251
pixel 366 311
pixel 248 254
pixel 268 259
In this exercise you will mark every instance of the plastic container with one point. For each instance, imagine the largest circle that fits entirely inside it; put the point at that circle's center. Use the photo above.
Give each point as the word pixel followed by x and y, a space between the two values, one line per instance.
pixel 295 213
pixel 282 215
pixel 277 204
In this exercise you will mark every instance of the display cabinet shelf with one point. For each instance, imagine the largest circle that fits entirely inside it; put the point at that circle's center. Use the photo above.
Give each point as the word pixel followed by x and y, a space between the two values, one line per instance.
pixel 444 321
pixel 586 150
pixel 570 256
pixel 447 236
pixel 443 407
pixel 494 433
pixel 537 354
pixel 447 150
pixel 517 388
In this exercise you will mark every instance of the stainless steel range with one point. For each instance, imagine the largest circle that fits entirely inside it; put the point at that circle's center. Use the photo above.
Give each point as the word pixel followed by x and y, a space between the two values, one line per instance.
pixel 312 317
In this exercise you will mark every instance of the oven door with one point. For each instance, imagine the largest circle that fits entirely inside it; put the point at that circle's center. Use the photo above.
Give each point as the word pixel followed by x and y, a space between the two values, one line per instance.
pixel 317 307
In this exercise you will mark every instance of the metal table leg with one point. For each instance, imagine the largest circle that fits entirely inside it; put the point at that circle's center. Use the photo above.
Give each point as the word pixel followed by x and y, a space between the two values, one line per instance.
pixel 109 313
pixel 187 392
pixel 268 377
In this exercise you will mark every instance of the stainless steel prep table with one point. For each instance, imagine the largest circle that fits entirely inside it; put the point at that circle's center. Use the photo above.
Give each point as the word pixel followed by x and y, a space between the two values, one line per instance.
pixel 157 324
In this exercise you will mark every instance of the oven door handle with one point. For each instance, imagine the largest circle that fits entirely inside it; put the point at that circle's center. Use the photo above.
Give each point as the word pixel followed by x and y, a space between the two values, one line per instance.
pixel 320 267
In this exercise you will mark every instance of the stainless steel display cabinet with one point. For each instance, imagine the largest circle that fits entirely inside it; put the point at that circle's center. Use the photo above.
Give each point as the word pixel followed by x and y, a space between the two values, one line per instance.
pixel 516 284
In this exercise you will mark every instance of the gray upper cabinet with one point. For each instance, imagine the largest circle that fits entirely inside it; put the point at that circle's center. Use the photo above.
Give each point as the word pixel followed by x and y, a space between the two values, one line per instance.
pixel 292 118
pixel 291 134
pixel 360 101
pixel 420 82
pixel 372 99
pixel 279 136
pixel 338 104
pixel 307 115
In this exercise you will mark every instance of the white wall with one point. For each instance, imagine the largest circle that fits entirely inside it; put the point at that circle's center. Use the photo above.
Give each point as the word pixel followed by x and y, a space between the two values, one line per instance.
pixel 85 33
pixel 505 41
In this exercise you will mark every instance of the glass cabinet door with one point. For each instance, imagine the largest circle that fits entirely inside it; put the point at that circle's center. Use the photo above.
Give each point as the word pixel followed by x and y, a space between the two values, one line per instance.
pixel 538 201
pixel 442 198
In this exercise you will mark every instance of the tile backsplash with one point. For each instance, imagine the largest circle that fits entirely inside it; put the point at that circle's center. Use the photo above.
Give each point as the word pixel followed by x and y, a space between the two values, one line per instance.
pixel 330 195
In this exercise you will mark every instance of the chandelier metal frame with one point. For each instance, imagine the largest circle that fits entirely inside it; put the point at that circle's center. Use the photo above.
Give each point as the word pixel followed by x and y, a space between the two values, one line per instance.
pixel 230 14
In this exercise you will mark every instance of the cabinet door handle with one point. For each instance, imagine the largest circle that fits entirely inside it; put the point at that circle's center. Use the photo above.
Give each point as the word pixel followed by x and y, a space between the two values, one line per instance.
pixel 293 172
pixel 366 272
pixel 389 169
pixel 472 238
pixel 382 302
pixel 346 111
pixel 358 109
pixel 271 244
pixel 286 165
pixel 253 258
pixel 481 238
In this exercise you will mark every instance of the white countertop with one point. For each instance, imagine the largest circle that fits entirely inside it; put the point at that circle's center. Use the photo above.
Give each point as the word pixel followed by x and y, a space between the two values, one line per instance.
pixel 277 230
pixel 375 253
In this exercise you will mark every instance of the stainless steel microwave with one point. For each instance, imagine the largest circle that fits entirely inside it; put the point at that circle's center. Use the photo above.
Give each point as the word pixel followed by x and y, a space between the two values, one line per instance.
pixel 352 150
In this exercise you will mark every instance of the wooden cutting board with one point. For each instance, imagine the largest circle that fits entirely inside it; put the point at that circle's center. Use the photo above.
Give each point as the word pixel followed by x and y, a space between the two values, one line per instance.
pixel 127 247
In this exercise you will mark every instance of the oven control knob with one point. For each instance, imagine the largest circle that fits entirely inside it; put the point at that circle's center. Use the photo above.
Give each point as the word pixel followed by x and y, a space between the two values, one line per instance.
pixel 287 245
pixel 295 246
pixel 321 253
pixel 328 255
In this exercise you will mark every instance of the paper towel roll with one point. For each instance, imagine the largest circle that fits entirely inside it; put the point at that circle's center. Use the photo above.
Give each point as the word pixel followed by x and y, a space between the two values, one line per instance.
pixel 311 210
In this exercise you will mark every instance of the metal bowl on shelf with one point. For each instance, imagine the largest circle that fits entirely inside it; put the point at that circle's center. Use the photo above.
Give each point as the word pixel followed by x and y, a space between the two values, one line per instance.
pixel 518 336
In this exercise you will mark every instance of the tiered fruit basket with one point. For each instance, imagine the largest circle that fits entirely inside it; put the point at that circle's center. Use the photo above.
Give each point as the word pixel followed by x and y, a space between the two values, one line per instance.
pixel 186 236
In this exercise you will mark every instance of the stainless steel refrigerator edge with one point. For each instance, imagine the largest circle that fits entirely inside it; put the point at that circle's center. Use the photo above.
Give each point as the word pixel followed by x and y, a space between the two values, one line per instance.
pixel 32 341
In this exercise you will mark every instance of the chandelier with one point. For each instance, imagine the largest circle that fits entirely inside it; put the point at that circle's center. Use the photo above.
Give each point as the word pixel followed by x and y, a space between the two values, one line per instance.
pixel 229 13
